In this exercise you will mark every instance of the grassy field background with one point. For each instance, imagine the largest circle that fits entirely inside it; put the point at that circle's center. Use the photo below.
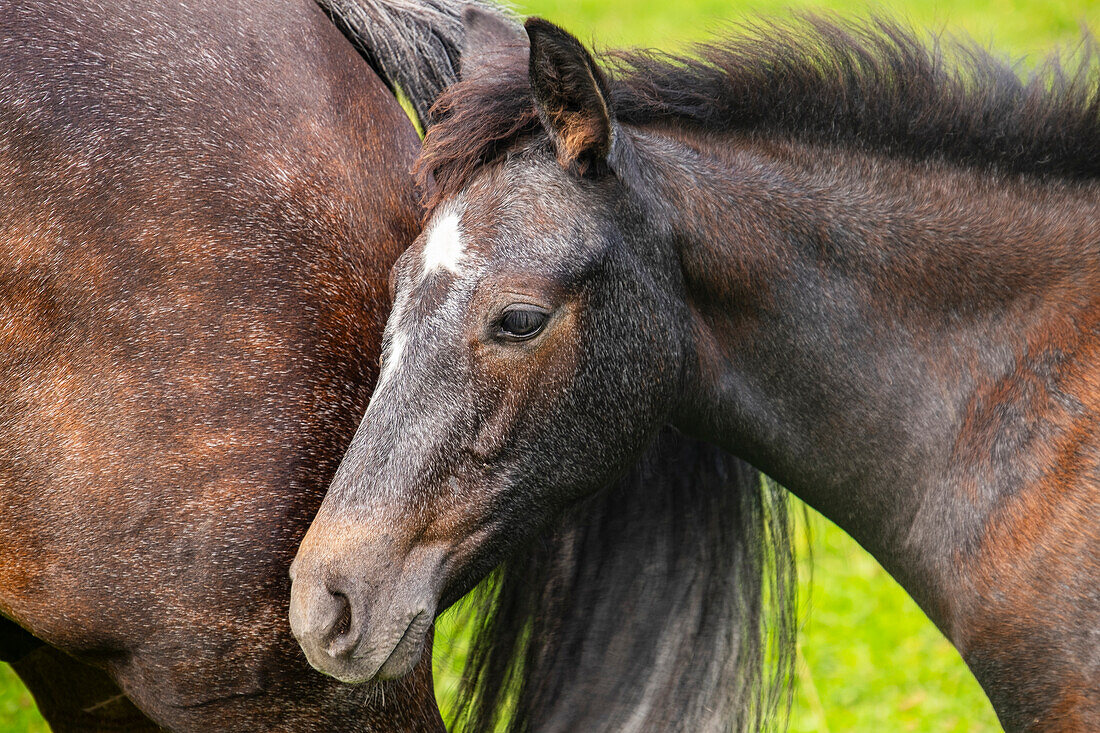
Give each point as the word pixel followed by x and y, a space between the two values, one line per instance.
pixel 869 660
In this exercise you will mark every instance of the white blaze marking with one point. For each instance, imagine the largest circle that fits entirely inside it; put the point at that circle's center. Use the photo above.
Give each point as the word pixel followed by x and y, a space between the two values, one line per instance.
pixel 392 362
pixel 444 248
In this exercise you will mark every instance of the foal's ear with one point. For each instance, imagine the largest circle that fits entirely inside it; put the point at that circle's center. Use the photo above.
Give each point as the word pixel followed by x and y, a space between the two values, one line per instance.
pixel 571 94
pixel 492 40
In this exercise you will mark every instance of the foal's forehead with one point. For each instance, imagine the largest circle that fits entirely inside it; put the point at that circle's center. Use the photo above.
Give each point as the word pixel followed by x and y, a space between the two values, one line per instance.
pixel 511 223
pixel 514 209
pixel 445 245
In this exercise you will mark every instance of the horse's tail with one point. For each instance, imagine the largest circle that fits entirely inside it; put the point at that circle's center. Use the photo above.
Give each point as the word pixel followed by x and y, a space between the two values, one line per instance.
pixel 413 45
pixel 666 603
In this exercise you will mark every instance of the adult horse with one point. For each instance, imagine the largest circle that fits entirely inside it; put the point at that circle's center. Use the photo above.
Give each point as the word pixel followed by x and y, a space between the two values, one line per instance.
pixel 872 271
pixel 199 207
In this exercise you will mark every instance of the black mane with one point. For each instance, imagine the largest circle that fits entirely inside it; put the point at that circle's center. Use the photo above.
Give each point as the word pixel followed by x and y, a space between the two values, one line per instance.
pixel 871 85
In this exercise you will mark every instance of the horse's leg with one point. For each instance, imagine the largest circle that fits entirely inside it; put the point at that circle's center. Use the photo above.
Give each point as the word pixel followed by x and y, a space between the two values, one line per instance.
pixel 73 696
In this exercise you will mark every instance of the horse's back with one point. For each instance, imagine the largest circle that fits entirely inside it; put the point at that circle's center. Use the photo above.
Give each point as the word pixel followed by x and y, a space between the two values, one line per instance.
pixel 199 207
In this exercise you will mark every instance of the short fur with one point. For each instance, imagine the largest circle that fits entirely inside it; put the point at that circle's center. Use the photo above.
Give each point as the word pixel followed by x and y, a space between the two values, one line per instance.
pixel 199 210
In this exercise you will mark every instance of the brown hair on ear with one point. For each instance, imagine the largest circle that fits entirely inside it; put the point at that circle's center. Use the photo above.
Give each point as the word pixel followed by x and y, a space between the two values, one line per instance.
pixel 571 95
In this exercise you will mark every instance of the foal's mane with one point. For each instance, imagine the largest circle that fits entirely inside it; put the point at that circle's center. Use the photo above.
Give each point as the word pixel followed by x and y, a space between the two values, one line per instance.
pixel 868 85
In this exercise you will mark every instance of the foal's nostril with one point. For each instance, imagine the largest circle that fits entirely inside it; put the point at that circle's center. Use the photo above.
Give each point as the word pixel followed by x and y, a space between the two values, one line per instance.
pixel 354 631
pixel 324 618
pixel 341 640
pixel 343 621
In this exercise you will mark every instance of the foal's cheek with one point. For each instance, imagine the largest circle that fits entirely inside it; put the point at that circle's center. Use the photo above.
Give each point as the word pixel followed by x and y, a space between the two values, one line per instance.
pixel 515 389
pixel 530 372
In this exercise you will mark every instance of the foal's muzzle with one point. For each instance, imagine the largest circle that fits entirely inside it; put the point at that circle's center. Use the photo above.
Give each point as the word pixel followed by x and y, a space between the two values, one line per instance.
pixel 363 615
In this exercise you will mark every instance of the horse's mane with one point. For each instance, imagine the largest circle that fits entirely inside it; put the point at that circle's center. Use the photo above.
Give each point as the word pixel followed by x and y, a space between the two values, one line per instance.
pixel 871 85
pixel 666 602
pixel 413 45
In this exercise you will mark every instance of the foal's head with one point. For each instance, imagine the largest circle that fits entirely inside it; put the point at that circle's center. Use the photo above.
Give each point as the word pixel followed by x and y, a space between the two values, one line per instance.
pixel 528 358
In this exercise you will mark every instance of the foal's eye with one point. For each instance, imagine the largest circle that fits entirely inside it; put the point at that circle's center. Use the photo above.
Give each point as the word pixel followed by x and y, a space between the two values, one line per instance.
pixel 521 322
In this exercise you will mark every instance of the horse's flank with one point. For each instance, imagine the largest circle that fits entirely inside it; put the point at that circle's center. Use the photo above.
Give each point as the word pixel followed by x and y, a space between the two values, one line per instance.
pixel 199 208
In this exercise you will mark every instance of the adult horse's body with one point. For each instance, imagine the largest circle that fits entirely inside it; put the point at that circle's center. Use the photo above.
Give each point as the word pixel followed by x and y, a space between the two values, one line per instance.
pixel 821 248
pixel 198 210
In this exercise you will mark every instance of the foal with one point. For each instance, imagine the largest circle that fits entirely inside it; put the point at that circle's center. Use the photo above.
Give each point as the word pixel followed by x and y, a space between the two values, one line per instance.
pixel 873 274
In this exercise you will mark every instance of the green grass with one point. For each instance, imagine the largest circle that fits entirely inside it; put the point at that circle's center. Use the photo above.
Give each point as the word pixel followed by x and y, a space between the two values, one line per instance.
pixel 1016 26
pixel 869 660
pixel 17 710
pixel 868 657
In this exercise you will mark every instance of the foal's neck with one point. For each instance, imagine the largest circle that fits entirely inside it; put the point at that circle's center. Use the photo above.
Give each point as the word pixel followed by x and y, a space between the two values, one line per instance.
pixel 886 338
